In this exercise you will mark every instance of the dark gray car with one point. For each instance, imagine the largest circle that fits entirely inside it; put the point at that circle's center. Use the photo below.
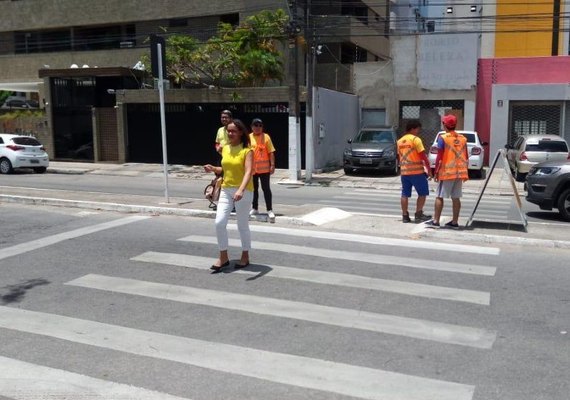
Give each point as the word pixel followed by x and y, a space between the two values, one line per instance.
pixel 548 186
pixel 372 149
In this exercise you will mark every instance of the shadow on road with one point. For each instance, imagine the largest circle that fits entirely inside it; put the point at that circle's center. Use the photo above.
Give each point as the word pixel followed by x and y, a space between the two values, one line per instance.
pixel 15 293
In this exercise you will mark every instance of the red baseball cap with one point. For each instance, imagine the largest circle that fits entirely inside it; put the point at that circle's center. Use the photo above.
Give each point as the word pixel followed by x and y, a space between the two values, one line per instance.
pixel 450 121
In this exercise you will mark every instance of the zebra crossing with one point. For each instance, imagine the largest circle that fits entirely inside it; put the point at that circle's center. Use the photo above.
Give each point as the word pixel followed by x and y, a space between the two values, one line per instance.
pixel 23 380
pixel 387 203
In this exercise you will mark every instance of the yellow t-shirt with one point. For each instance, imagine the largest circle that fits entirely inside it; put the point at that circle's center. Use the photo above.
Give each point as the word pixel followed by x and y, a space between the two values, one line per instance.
pixel 222 136
pixel 233 165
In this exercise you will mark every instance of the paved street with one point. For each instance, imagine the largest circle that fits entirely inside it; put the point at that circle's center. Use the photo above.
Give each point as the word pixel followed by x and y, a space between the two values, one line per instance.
pixel 104 305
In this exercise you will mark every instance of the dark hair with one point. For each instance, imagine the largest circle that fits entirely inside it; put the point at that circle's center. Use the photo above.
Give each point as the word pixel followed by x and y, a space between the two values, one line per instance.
pixel 226 112
pixel 244 131
pixel 413 124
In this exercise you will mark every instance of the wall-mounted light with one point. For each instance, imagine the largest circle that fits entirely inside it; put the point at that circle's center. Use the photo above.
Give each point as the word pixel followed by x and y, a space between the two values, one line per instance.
pixel 473 8
pixel 499 103
pixel 449 10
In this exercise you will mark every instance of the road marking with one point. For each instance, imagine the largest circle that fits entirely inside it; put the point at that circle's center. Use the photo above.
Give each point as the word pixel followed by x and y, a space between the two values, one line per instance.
pixel 60 237
pixel 328 278
pixel 397 195
pixel 382 241
pixel 20 380
pixel 343 317
pixel 311 373
pixel 378 259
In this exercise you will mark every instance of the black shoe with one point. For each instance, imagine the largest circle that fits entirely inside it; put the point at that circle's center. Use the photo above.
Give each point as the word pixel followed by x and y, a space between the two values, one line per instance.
pixel 432 224
pixel 406 218
pixel 451 225
pixel 216 268
pixel 421 217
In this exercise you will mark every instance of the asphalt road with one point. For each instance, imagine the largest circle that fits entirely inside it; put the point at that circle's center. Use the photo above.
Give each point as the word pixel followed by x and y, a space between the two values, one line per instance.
pixel 106 306
pixel 365 201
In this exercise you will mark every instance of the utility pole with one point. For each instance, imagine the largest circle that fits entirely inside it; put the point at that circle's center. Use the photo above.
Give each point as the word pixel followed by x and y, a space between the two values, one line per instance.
pixel 294 126
pixel 309 124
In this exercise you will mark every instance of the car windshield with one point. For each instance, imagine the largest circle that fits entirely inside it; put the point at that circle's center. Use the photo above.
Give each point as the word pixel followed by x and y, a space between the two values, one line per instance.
pixel 26 141
pixel 548 146
pixel 375 136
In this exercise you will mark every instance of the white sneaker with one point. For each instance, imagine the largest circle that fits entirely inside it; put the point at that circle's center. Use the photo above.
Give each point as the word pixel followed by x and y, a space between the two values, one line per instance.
pixel 271 216
pixel 253 212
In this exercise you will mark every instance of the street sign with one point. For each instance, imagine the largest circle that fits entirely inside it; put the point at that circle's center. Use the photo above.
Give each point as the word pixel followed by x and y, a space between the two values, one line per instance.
pixel 501 154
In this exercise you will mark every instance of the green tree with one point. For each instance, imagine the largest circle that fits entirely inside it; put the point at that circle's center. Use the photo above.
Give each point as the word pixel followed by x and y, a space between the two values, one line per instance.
pixel 243 55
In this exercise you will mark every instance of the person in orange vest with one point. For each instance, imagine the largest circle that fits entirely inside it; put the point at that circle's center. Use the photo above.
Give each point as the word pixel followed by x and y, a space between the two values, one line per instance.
pixel 450 171
pixel 263 167
pixel 414 171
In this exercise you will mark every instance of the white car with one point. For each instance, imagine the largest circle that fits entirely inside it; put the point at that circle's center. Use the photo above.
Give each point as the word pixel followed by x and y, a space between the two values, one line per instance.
pixel 475 150
pixel 17 151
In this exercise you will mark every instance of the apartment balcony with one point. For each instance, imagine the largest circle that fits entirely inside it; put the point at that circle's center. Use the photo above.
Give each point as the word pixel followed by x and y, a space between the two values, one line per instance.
pixel 365 33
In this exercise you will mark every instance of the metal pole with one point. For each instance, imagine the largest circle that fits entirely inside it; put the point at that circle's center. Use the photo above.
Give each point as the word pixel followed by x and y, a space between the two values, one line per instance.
pixel 162 121
pixel 309 124
pixel 294 133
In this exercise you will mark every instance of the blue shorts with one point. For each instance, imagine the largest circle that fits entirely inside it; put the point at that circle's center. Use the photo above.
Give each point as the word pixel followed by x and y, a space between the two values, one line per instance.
pixel 419 181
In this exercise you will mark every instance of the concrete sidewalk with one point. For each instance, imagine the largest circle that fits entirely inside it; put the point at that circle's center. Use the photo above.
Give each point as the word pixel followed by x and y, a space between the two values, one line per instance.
pixel 549 235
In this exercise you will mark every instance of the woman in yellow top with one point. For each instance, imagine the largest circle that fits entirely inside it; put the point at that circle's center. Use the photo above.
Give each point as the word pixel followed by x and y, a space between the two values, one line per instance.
pixel 237 191
pixel 263 167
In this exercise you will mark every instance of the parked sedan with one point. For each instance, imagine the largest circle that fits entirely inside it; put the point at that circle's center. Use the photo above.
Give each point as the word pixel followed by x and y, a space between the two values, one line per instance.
pixel 548 186
pixel 475 149
pixel 372 149
pixel 529 150
pixel 18 151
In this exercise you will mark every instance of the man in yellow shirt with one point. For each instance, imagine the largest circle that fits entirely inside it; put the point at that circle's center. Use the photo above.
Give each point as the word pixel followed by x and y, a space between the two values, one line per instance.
pixel 222 134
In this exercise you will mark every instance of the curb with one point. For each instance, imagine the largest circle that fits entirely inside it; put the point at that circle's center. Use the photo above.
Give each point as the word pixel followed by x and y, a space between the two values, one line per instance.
pixel 490 239
pixel 129 208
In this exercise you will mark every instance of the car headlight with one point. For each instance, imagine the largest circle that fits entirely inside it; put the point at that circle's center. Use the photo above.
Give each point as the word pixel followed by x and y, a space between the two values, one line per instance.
pixel 389 154
pixel 544 171
pixel 347 152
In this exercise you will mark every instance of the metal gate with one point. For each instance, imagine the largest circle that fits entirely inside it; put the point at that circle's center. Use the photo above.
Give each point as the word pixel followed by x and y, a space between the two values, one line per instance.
pixel 429 112
pixel 536 118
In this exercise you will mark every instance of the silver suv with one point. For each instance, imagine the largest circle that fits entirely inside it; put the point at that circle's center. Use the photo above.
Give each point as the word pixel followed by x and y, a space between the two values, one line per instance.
pixel 372 149
pixel 548 186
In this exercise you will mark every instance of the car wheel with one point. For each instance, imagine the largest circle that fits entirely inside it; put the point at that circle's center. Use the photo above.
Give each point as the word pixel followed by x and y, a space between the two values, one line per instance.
pixel 5 166
pixel 348 171
pixel 564 204
pixel 519 176
pixel 40 170
pixel 477 173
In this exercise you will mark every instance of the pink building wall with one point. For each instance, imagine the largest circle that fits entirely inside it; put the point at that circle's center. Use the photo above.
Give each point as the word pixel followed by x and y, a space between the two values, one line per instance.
pixel 527 70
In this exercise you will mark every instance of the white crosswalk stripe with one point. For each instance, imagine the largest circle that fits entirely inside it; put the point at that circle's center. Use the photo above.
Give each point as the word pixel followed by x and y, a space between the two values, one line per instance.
pixel 330 278
pixel 349 380
pixel 355 256
pixel 20 380
pixel 381 241
pixel 387 203
pixel 355 319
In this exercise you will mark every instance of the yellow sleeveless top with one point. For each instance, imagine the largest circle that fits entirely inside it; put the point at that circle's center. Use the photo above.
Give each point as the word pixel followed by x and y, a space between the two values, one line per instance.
pixel 233 165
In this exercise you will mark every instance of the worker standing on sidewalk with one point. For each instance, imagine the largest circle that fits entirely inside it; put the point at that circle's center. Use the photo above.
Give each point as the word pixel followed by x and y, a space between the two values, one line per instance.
pixel 414 171
pixel 450 170
pixel 263 167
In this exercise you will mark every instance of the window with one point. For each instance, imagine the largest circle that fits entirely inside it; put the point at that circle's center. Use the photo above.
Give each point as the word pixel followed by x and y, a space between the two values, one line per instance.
pixel 549 146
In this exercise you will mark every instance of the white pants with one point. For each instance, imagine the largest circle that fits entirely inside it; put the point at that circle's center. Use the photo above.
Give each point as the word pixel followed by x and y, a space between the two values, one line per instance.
pixel 225 205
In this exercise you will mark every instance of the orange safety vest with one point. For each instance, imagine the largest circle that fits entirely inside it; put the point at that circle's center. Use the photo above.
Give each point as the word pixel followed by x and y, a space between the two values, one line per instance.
pixel 454 164
pixel 261 160
pixel 410 161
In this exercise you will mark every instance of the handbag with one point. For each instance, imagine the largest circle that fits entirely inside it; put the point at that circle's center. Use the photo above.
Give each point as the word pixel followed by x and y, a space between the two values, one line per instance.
pixel 212 191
